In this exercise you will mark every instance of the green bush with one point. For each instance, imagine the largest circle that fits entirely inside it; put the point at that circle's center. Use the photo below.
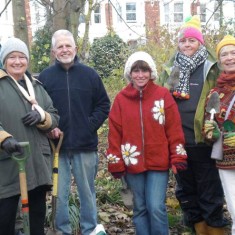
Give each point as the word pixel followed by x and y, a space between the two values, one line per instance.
pixel 40 50
pixel 108 53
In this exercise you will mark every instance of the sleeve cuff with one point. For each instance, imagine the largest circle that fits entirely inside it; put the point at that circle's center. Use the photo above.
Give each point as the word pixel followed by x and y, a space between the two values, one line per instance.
pixel 3 136
pixel 45 125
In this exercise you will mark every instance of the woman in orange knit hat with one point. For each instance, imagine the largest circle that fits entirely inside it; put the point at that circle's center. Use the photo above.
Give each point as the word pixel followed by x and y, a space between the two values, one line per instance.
pixel 225 87
pixel 191 74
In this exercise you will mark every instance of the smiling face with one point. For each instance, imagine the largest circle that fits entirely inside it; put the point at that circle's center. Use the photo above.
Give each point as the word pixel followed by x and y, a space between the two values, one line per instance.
pixel 65 50
pixel 227 58
pixel 16 64
pixel 188 46
pixel 140 74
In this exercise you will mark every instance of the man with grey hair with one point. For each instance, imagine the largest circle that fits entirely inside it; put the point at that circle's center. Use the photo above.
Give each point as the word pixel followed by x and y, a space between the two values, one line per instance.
pixel 79 95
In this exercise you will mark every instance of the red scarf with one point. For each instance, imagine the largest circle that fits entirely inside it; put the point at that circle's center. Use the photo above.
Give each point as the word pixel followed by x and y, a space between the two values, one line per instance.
pixel 226 80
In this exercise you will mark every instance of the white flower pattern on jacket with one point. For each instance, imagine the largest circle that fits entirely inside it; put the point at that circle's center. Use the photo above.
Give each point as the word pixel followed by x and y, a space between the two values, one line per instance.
pixel 112 158
pixel 158 111
pixel 180 149
pixel 129 154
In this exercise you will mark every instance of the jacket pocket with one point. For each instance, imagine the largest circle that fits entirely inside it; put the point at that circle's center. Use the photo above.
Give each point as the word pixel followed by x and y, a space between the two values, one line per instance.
pixel 157 156
pixel 46 149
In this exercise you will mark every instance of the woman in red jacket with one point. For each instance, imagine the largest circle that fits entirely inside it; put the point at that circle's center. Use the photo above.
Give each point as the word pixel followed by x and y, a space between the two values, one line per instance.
pixel 145 140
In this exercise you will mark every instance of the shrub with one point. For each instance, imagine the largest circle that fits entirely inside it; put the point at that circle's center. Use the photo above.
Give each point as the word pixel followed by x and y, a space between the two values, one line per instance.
pixel 40 50
pixel 108 53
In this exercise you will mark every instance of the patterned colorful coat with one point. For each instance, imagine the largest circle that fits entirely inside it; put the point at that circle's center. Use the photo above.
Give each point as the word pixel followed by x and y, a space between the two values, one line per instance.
pixel 226 95
pixel 145 131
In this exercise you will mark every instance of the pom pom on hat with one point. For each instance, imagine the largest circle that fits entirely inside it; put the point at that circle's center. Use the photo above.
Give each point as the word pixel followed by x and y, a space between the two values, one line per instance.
pixel 13 44
pixel 140 55
pixel 227 40
pixel 191 28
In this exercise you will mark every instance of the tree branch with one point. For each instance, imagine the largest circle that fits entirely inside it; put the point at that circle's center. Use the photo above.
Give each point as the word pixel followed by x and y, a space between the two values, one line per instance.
pixel 5 7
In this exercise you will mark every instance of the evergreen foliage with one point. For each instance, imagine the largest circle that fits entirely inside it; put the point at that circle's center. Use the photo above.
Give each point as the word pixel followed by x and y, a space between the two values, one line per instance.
pixel 108 53
pixel 40 50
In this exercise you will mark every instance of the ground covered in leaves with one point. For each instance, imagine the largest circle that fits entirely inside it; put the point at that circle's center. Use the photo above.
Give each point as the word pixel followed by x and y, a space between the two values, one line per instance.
pixel 116 217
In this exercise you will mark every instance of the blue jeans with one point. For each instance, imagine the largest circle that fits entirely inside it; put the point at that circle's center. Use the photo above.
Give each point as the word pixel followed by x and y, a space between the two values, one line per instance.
pixel 83 166
pixel 149 195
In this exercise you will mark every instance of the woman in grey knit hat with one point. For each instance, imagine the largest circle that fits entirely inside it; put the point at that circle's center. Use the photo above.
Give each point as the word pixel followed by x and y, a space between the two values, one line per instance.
pixel 26 114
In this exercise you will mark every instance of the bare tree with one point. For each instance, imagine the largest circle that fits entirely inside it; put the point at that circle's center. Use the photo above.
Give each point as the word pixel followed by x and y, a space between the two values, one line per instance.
pixel 92 4
pixel 66 15
pixel 20 20
pixel 86 34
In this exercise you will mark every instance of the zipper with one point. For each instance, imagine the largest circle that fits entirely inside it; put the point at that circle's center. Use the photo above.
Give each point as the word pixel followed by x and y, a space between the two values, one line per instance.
pixel 142 123
pixel 68 89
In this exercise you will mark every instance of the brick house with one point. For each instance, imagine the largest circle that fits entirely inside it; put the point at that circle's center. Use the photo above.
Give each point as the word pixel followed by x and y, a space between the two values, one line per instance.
pixel 133 20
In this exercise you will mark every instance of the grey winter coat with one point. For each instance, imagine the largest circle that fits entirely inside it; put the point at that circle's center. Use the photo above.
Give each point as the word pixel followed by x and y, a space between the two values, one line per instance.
pixel 13 106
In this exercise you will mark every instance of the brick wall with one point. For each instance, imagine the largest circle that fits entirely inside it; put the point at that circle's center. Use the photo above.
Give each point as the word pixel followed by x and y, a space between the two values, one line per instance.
pixel 108 16
pixel 194 8
pixel 152 18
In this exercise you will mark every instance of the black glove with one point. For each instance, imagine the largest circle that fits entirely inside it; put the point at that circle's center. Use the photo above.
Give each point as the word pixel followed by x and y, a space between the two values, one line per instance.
pixel 118 175
pixel 179 166
pixel 10 145
pixel 31 118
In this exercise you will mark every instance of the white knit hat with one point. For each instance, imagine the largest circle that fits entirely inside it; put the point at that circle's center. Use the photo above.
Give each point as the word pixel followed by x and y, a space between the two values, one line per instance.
pixel 140 55
pixel 13 44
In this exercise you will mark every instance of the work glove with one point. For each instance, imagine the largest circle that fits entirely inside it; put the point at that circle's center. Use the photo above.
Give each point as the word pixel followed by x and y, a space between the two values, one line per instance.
pixel 31 118
pixel 10 145
pixel 229 139
pixel 118 175
pixel 211 130
pixel 179 166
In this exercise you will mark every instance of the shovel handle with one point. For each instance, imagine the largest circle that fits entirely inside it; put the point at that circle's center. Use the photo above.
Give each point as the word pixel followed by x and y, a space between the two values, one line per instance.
pixel 55 171
pixel 56 149
pixel 21 160
pixel 23 190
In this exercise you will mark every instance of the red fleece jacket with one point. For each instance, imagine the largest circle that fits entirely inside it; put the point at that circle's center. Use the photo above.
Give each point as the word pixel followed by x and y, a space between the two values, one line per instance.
pixel 145 131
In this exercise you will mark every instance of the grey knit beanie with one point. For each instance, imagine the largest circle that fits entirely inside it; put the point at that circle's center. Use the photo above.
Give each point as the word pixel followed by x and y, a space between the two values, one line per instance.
pixel 140 55
pixel 13 44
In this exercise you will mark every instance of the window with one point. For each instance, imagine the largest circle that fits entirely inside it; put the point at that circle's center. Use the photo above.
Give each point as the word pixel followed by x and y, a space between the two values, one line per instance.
pixel 178 12
pixel 131 12
pixel 203 12
pixel 119 13
pixel 166 12
pixel 6 11
pixel 97 15
pixel 216 10
pixel 81 18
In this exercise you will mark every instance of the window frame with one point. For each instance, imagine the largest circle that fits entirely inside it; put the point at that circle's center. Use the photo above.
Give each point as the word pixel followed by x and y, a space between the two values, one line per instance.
pixel 203 12
pixel 97 14
pixel 178 13
pixel 167 12
pixel 131 12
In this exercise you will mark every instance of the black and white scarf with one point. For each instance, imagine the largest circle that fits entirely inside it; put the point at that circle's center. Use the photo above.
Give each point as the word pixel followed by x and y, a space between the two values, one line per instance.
pixel 187 65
